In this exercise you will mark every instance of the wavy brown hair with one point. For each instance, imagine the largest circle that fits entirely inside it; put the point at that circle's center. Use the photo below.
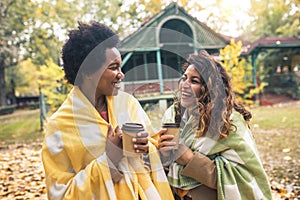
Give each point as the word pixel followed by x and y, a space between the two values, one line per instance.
pixel 216 100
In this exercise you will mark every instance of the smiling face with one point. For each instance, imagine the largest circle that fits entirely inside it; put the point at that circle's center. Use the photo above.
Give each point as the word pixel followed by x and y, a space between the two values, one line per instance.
pixel 189 87
pixel 106 80
pixel 110 79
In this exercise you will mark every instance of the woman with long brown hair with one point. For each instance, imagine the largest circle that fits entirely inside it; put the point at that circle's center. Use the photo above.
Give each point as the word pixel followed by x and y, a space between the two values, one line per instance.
pixel 217 157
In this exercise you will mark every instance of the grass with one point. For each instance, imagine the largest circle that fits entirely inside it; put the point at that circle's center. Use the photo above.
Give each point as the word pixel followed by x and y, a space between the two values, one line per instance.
pixel 21 126
pixel 276 132
pixel 25 125
pixel 276 117
pixel 263 117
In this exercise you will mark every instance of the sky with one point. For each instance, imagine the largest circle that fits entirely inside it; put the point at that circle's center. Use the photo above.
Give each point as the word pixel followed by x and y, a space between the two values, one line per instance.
pixel 235 10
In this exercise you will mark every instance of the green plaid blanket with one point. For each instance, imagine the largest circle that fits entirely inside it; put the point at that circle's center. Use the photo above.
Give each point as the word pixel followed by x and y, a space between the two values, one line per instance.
pixel 240 171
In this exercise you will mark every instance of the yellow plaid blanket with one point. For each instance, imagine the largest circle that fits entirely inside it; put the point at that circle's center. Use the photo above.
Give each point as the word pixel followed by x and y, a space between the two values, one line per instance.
pixel 74 157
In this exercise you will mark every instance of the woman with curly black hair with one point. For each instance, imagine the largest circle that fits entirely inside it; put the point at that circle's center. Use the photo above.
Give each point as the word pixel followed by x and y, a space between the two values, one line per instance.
pixel 217 156
pixel 82 150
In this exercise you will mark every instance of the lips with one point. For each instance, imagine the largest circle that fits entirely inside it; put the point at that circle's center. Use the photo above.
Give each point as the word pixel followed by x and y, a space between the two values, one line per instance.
pixel 186 94
pixel 188 98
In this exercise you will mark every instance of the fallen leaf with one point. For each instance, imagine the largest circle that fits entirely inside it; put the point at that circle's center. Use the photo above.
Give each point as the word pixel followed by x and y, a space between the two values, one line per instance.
pixel 286 150
pixel 287 158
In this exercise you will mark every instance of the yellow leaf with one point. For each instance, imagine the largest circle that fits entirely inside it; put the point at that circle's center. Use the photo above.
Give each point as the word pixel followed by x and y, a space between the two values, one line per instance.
pixel 39 11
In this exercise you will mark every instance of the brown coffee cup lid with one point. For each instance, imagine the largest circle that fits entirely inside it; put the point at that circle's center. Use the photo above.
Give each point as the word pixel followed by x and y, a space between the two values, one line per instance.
pixel 132 127
pixel 170 125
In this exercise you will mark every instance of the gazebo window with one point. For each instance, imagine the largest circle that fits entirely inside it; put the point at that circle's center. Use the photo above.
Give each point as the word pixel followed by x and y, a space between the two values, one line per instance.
pixel 181 32
pixel 172 64
pixel 140 67
pixel 176 40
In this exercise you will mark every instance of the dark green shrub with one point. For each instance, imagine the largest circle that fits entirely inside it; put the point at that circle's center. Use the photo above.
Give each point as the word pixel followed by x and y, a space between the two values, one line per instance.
pixel 7 110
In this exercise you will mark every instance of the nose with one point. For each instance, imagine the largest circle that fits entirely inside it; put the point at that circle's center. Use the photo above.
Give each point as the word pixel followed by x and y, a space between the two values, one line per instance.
pixel 120 74
pixel 186 83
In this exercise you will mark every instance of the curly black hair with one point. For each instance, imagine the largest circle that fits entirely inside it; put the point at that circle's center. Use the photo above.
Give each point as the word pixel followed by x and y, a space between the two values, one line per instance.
pixel 84 51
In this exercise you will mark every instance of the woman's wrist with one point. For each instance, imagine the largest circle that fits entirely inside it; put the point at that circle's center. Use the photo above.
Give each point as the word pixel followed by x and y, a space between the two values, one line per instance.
pixel 184 155
pixel 189 156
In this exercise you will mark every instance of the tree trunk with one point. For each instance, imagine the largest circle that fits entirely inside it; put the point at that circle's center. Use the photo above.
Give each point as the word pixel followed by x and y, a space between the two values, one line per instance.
pixel 13 92
pixel 2 85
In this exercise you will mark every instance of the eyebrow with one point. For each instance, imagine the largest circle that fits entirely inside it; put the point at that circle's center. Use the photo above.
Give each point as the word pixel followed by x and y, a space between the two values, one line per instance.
pixel 196 77
pixel 193 77
pixel 114 63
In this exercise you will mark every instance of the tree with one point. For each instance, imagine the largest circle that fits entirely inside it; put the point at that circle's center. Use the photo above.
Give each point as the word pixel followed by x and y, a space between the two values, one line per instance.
pixel 273 18
pixel 31 29
pixel 26 72
pixel 240 72
pixel 143 9
pixel 13 19
pixel 47 31
pixel 52 84
pixel 26 33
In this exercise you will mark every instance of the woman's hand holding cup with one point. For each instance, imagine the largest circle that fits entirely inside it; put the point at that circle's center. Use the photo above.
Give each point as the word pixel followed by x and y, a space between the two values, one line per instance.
pixel 165 142
pixel 140 142
pixel 135 139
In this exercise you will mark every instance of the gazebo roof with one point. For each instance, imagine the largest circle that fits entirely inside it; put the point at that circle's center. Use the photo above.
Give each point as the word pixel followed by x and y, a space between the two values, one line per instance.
pixel 146 38
pixel 271 43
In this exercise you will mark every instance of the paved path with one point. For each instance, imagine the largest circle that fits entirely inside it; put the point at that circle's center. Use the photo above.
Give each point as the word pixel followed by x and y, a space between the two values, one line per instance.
pixel 19 112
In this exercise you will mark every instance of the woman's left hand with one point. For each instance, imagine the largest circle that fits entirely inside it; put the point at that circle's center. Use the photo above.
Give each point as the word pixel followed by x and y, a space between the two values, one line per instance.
pixel 141 142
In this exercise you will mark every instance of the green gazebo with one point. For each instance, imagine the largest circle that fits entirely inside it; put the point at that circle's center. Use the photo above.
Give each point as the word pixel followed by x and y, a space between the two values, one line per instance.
pixel 153 55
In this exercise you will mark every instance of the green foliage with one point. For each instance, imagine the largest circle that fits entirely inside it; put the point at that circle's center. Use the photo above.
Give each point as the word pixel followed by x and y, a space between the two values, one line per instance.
pixel 7 110
pixel 13 19
pixel 273 18
pixel 110 12
pixel 50 22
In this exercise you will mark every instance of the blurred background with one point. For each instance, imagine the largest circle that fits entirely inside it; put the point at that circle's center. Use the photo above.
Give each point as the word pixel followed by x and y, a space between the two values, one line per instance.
pixel 257 41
